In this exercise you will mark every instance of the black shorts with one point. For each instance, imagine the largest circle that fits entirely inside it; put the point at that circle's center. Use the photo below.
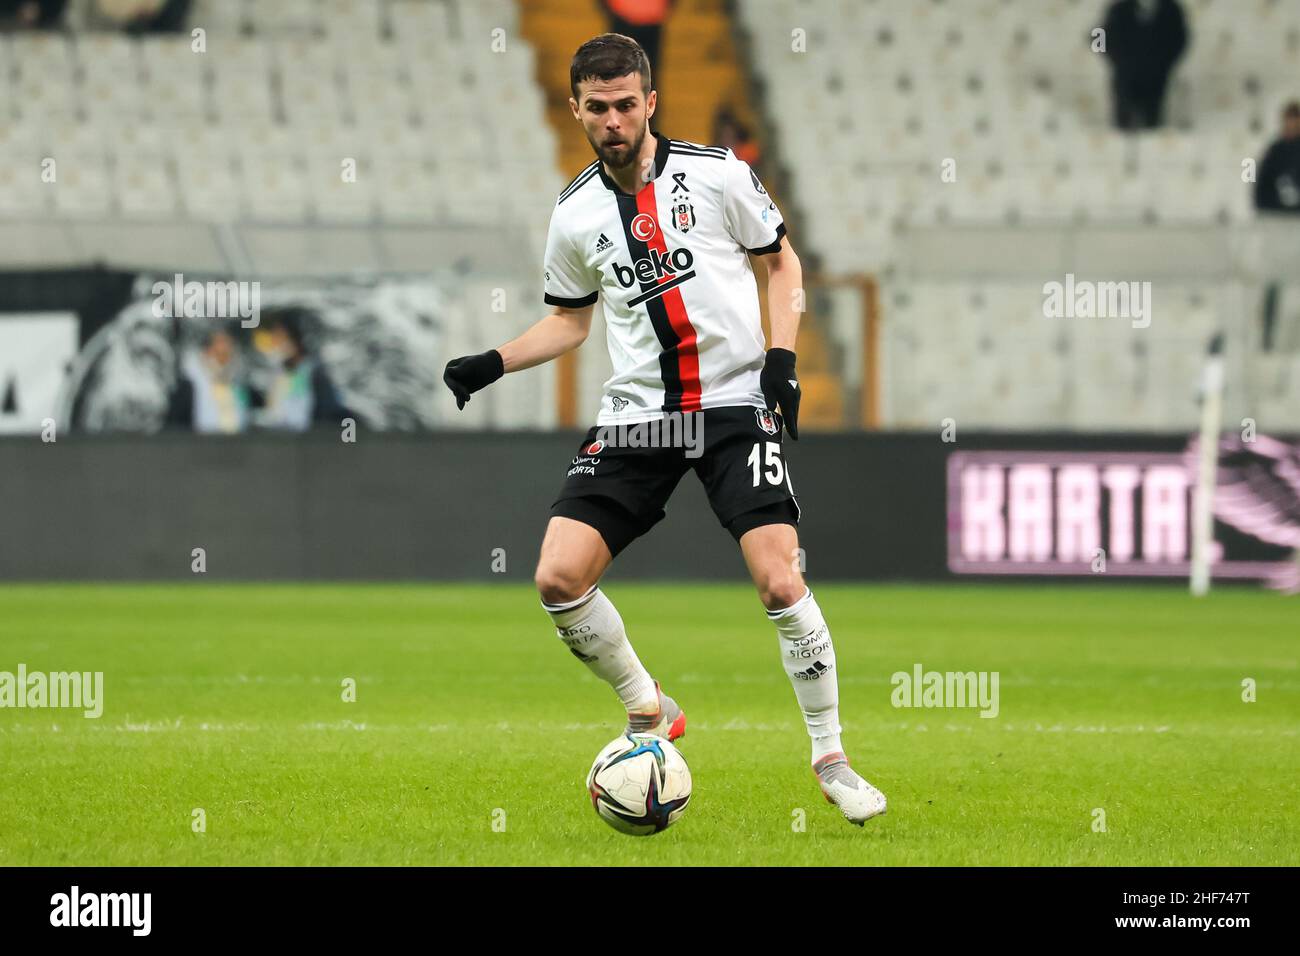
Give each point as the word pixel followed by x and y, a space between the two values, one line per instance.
pixel 619 481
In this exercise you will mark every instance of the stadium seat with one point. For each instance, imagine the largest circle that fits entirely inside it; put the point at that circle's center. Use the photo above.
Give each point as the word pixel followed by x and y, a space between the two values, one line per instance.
pixel 22 193
pixel 208 187
pixel 144 187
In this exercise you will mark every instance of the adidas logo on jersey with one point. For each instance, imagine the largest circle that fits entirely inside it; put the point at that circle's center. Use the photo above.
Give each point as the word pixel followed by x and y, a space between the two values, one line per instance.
pixel 813 673
pixel 603 243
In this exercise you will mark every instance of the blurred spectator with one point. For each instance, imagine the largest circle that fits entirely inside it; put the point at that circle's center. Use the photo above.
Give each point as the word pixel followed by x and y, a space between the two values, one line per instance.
pixel 300 393
pixel 731 132
pixel 642 20
pixel 1144 39
pixel 1277 190
pixel 1277 181
pixel 141 16
pixel 31 14
pixel 210 396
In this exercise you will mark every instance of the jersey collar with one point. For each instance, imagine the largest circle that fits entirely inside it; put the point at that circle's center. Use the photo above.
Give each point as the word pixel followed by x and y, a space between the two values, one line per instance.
pixel 661 160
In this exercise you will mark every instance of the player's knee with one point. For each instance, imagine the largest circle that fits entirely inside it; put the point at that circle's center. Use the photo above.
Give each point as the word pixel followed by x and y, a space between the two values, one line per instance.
pixel 557 584
pixel 780 587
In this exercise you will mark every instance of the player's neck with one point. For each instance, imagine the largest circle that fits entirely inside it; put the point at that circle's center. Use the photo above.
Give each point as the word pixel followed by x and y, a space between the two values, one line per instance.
pixel 630 178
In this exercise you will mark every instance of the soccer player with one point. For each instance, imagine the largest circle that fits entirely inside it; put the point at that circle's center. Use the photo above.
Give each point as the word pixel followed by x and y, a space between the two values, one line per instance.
pixel 662 231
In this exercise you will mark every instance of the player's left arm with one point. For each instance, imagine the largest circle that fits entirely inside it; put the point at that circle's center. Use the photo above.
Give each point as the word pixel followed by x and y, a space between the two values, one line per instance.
pixel 784 293
pixel 780 381
pixel 756 224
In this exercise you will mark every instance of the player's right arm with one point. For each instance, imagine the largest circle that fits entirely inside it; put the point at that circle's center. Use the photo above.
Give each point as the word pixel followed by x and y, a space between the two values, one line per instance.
pixel 561 331
pixel 571 290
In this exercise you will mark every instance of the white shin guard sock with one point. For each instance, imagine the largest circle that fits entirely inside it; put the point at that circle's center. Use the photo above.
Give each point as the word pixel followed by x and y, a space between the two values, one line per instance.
pixel 809 658
pixel 593 631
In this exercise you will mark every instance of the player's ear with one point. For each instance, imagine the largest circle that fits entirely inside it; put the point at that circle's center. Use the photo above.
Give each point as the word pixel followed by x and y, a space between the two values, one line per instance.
pixel 651 102
pixel 573 105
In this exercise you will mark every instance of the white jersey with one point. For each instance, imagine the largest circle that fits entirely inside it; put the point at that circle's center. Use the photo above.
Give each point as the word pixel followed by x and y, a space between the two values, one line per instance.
pixel 671 267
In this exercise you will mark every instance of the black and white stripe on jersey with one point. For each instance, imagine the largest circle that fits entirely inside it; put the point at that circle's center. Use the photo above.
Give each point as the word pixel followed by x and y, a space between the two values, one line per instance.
pixel 695 149
pixel 578 182
pixel 655 309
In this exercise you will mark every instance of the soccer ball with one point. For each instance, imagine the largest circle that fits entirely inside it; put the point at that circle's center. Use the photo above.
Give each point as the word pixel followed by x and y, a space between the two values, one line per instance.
pixel 639 784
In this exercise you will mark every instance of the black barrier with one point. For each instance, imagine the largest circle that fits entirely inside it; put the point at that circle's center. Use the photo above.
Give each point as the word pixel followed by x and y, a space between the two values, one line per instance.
pixel 1225 907
pixel 95 294
pixel 438 506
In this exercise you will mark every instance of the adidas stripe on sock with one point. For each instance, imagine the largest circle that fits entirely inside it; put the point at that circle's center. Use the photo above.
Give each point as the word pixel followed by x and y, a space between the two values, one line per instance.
pixel 809 659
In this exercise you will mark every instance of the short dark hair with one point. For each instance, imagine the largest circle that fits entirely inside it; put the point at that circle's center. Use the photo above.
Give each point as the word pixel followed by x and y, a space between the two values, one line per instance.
pixel 607 57
pixel 1292 109
pixel 293 320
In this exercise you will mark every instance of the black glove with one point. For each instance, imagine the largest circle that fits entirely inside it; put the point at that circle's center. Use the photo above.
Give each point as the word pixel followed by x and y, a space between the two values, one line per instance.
pixel 780 384
pixel 469 373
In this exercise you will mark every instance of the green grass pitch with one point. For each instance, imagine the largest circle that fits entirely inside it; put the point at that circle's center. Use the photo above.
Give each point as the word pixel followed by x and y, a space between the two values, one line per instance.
pixel 473 728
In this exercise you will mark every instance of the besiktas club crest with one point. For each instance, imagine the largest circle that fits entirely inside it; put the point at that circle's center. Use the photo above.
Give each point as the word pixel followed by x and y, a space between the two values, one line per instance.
pixel 766 421
pixel 683 215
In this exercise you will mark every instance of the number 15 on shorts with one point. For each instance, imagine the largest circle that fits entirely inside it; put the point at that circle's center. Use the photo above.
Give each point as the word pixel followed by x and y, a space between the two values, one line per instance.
pixel 770 467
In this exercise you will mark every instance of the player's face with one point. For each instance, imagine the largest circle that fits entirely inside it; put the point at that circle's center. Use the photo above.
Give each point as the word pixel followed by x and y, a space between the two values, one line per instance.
pixel 615 115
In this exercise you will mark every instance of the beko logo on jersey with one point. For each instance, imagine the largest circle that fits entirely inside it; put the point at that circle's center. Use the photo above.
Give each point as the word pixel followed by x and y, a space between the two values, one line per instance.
pixel 655 268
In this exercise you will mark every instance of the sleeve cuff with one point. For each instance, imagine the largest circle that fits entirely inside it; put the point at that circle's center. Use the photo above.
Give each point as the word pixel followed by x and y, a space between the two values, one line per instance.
pixel 773 246
pixel 569 303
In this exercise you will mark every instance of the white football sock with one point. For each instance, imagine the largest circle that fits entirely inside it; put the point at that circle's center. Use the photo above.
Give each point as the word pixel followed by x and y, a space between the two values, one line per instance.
pixel 593 631
pixel 809 658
